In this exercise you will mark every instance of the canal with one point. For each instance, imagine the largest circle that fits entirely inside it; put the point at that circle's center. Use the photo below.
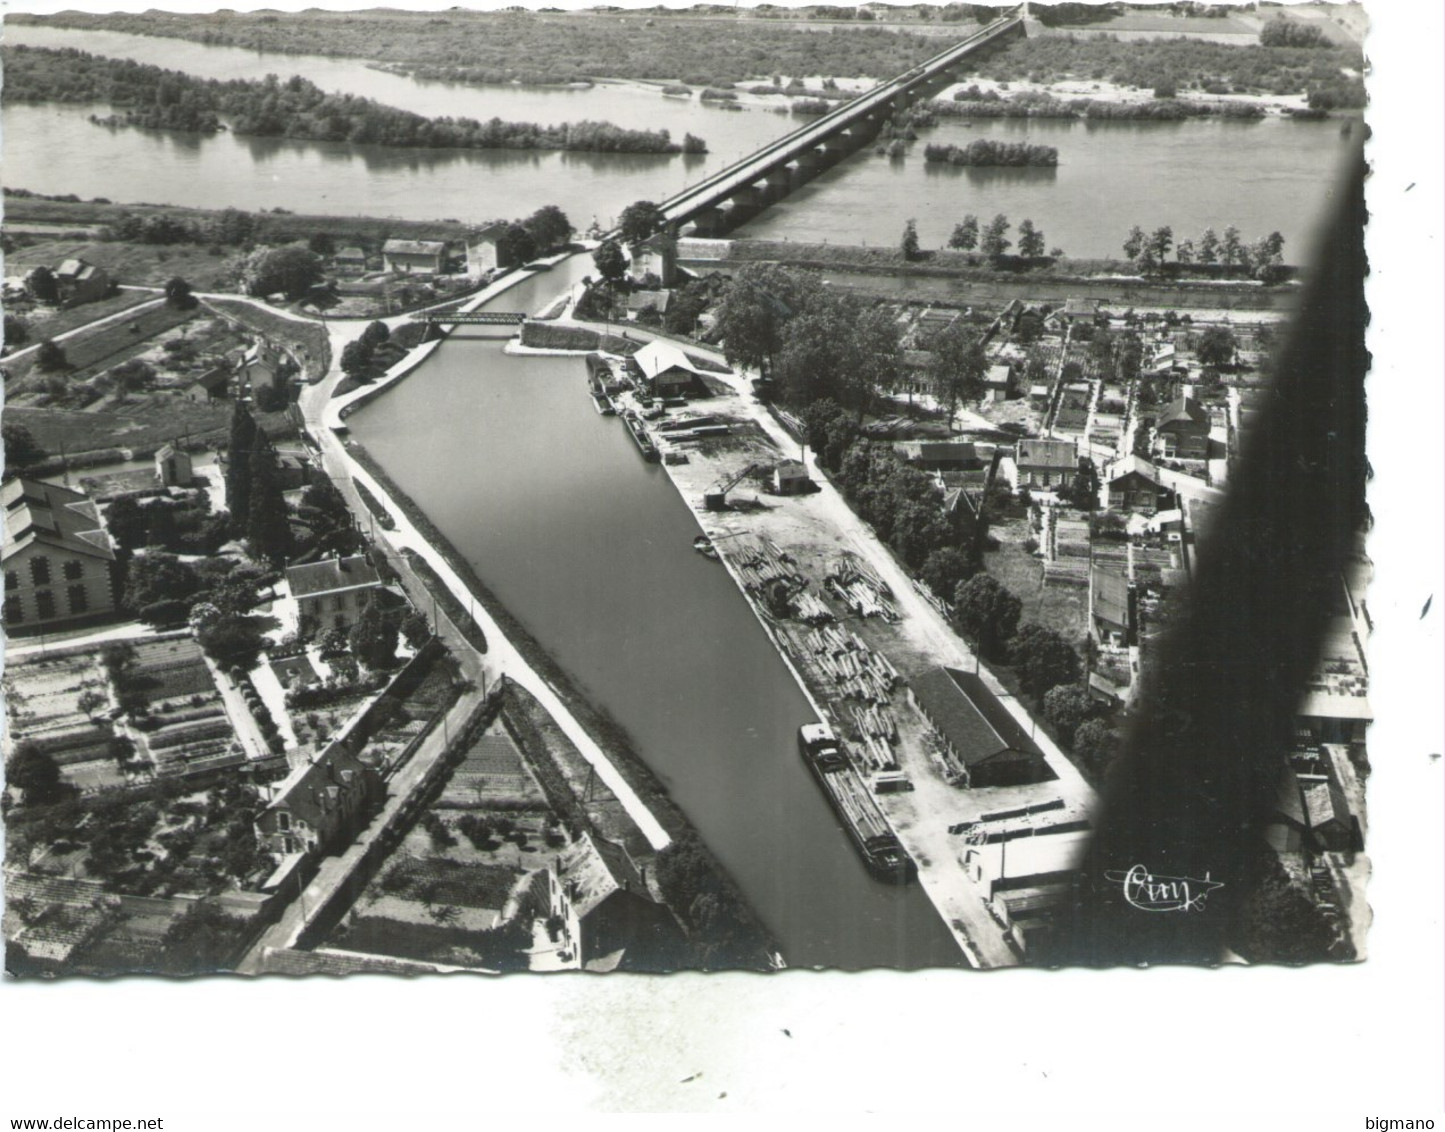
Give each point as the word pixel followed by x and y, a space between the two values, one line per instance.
pixel 592 550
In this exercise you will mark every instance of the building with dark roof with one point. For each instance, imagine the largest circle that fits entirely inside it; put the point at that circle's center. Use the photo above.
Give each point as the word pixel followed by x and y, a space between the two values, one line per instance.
pixel 213 385
pixel 979 733
pixel 58 557
pixel 940 455
pixel 1183 430
pixel 319 808
pixel 80 282
pixel 331 593
pixel 1134 486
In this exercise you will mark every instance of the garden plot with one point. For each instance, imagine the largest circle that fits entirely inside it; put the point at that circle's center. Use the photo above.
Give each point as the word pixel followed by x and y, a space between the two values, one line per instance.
pixel 186 730
pixel 60 704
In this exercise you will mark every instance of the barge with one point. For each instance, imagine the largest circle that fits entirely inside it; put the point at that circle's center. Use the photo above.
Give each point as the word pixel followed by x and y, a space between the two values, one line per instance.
pixel 875 841
pixel 639 435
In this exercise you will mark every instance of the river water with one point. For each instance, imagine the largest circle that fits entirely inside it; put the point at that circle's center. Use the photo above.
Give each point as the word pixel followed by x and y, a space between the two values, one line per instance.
pixel 592 549
pixel 586 544
pixel 1258 176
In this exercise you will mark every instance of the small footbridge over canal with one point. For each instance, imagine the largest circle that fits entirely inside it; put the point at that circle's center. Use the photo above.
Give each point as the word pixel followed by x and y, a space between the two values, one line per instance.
pixel 470 318
pixel 736 194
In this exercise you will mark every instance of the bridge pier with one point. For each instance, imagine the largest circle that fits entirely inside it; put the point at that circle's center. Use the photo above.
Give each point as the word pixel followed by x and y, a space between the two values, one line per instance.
pixel 706 223
pixel 778 185
pixel 805 168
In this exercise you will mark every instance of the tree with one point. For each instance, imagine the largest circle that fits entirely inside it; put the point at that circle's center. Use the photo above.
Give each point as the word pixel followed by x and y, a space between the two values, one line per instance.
pixel 958 366
pixel 945 569
pixel 1044 659
pixel 639 220
pixel 994 243
pixel 21 450
pixel 909 243
pixel 1066 707
pixel 321 244
pixel 373 637
pixel 375 334
pixel 17 331
pixel 178 294
pixel 515 245
pixel 1031 240
pixel 1134 243
pixel 610 261
pixel 42 285
pixel 549 227
pixel 268 524
pixel 33 771
pixel 1231 251
pixel 155 577
pixel 1084 491
pixel 356 359
pixel 1160 243
pixel 415 629
pixel 293 270
pixel 90 701
pixel 965 234
pixel 232 642
pixel 50 358
pixel 987 612
pixel 203 941
pixel 760 300
pixel 238 465
pixel 1209 246
pixel 877 356
pixel 1095 745
pixel 1216 346
pixel 1184 253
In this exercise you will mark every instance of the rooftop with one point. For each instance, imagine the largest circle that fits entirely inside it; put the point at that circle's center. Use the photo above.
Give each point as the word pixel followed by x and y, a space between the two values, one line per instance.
pixel 1047 452
pixel 413 247
pixel 331 574
pixel 971 716
pixel 37 512
pixel 659 357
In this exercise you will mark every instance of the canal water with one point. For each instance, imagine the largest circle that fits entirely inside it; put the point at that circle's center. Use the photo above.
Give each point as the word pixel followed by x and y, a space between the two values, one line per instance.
pixel 1259 176
pixel 592 549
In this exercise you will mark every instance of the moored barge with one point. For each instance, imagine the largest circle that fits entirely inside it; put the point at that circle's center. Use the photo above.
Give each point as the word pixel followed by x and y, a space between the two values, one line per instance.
pixel 875 841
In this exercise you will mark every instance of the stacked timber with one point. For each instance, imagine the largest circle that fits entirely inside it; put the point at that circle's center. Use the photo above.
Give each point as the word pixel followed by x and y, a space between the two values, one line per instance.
pixel 761 562
pixel 858 586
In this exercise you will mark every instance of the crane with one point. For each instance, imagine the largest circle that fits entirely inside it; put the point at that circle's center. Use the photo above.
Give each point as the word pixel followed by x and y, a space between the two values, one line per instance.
pixel 716 497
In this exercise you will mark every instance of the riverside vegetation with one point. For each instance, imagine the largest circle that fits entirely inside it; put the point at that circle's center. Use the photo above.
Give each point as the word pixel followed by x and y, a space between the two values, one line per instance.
pixel 296 108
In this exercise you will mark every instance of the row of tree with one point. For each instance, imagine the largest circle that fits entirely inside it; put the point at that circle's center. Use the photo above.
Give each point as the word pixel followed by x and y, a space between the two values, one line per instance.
pixel 1264 257
pixel 993 239
pixel 253 490
pixel 296 108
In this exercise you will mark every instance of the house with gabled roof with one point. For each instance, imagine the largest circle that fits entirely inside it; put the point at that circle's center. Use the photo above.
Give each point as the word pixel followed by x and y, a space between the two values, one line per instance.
pixel 331 593
pixel 58 558
pixel 667 369
pixel 1183 430
pixel 1046 462
pixel 415 257
pixel 80 282
pixel 1134 485
pixel 321 806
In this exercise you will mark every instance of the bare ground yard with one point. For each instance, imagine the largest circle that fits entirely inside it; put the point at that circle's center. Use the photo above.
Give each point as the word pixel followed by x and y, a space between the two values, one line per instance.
pixel 142 265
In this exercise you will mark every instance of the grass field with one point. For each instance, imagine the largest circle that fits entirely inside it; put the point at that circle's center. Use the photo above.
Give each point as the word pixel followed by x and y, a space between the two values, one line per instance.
pixel 48 322
pixel 1065 609
pixel 143 424
pixel 90 353
pixel 140 265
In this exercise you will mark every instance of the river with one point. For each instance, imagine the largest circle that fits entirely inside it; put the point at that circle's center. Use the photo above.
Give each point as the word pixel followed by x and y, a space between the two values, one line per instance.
pixel 1259 176
pixel 592 549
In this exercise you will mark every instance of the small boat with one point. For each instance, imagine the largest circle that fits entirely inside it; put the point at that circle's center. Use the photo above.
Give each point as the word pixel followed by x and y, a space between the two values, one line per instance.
pixel 603 404
pixel 703 545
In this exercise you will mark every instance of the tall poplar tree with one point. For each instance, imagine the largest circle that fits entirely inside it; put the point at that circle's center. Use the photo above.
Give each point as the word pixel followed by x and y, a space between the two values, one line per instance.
pixel 238 469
